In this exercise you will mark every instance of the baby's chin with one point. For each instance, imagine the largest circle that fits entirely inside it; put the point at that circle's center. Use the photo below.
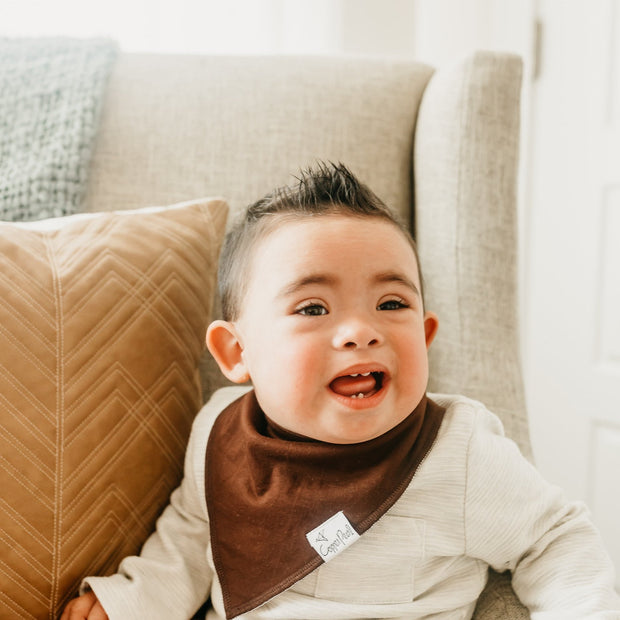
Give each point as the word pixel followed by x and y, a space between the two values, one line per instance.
pixel 340 419
pixel 358 431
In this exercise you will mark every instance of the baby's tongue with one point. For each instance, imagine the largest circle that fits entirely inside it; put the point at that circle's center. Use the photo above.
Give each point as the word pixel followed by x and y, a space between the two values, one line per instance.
pixel 348 385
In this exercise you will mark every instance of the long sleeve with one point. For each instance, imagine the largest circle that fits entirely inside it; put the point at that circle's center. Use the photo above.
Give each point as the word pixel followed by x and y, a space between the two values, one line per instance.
pixel 515 520
pixel 171 578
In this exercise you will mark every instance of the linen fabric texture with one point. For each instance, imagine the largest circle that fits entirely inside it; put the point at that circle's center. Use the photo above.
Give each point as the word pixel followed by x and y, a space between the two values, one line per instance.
pixel 102 324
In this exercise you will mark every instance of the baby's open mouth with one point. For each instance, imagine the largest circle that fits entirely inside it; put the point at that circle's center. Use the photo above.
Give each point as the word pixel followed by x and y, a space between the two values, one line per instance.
pixel 358 385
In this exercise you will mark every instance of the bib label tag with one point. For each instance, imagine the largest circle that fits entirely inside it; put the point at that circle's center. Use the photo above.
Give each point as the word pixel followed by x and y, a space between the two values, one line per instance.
pixel 332 537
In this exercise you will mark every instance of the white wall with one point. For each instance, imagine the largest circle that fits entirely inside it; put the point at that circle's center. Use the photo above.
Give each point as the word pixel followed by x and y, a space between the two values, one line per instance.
pixel 230 27
pixel 188 26
pixel 438 30
pixel 447 29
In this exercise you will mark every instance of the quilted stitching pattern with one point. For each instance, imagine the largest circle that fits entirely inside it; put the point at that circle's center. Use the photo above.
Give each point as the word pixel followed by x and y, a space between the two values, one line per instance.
pixel 102 325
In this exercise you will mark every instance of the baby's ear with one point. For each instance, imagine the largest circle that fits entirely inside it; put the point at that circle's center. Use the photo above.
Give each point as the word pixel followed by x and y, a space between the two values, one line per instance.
pixel 223 343
pixel 431 324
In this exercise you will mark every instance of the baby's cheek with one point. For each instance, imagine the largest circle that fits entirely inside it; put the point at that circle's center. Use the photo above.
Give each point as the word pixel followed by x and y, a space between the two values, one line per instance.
pixel 309 363
pixel 416 374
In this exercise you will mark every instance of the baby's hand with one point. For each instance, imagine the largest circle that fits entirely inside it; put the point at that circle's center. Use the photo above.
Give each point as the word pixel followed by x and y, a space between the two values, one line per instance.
pixel 85 607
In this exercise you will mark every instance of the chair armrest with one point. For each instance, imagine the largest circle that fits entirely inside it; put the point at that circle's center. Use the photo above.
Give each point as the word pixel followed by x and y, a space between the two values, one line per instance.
pixel 498 600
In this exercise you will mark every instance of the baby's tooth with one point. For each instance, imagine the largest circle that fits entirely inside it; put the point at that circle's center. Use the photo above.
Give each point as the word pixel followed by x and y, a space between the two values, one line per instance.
pixel 365 374
pixel 360 395
pixel 355 375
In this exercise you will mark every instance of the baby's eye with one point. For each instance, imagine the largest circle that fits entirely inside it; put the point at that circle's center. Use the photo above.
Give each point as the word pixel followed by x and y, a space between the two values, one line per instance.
pixel 312 310
pixel 392 304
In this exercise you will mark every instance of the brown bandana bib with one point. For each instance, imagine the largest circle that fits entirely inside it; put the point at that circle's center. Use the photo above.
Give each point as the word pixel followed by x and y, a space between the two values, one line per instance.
pixel 267 488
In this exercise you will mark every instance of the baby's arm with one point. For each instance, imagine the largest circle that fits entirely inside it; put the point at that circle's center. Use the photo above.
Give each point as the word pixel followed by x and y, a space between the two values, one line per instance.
pixel 170 578
pixel 516 520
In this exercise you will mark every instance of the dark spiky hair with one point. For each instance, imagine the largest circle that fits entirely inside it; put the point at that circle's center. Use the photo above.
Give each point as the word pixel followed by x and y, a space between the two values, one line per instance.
pixel 325 189
pixel 320 190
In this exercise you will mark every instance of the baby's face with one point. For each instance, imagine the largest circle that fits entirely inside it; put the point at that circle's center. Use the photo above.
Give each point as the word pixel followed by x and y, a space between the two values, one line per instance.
pixel 333 330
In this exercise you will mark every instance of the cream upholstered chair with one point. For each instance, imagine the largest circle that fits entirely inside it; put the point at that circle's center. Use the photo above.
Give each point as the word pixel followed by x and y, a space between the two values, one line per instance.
pixel 441 147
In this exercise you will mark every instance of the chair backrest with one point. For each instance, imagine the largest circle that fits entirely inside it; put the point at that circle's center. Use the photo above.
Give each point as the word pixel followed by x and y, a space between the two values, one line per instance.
pixel 178 127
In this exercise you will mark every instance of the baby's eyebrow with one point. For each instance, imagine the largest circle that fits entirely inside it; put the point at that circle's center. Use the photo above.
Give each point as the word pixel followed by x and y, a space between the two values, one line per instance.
pixel 315 278
pixel 331 280
pixel 393 276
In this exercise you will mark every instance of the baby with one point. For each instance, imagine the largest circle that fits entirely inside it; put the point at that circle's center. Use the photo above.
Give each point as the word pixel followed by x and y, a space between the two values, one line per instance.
pixel 336 487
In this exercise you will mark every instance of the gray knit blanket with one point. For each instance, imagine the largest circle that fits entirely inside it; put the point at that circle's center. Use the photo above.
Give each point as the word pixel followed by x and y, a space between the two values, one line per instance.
pixel 50 99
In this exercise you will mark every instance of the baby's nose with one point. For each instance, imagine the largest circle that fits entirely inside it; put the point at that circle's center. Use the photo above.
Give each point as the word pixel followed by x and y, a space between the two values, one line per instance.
pixel 356 333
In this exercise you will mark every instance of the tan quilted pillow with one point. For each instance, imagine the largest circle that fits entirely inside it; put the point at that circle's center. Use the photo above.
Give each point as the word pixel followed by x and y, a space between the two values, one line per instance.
pixel 102 324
